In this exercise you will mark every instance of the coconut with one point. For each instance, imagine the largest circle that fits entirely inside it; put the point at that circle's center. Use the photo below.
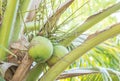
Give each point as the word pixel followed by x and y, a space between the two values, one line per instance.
pixel 41 49
pixel 58 52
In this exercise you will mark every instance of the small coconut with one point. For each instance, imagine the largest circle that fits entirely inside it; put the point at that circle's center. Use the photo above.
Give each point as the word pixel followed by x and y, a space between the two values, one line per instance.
pixel 41 49
pixel 58 52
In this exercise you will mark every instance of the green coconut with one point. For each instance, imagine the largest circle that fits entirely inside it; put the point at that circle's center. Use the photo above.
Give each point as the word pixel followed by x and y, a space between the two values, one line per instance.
pixel 58 52
pixel 41 49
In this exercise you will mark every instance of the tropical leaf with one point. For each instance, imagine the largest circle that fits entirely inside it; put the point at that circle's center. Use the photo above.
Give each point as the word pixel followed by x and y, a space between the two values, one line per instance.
pixel 86 74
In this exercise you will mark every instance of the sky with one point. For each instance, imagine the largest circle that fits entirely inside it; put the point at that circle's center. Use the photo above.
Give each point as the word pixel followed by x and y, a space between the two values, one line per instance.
pixel 117 14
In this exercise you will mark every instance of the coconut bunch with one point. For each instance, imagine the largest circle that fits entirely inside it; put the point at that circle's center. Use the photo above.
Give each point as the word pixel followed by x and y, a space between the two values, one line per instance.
pixel 42 50
pixel 44 43
pixel 44 47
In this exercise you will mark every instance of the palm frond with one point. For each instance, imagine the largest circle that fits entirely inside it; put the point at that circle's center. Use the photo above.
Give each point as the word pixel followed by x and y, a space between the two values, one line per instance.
pixel 51 21
pixel 88 23
pixel 91 74
pixel 105 54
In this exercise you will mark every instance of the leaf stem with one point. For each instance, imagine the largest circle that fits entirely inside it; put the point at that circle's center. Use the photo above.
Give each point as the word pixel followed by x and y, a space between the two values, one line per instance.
pixel 79 51
pixel 7 25
pixel 90 21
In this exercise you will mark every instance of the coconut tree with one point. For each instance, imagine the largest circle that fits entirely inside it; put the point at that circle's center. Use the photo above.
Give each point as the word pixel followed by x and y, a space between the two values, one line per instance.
pixel 66 40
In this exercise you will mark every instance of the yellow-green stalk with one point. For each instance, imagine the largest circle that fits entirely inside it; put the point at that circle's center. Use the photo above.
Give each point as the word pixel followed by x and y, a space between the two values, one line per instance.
pixel 35 72
pixel 79 51
pixel 94 19
pixel 21 16
pixel 7 25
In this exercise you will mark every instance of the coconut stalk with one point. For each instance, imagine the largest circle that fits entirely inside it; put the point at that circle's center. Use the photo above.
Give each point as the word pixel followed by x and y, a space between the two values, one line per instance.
pixel 88 23
pixel 8 25
pixel 36 71
pixel 30 26
pixel 33 7
pixel 52 20
pixel 91 42
pixel 21 17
